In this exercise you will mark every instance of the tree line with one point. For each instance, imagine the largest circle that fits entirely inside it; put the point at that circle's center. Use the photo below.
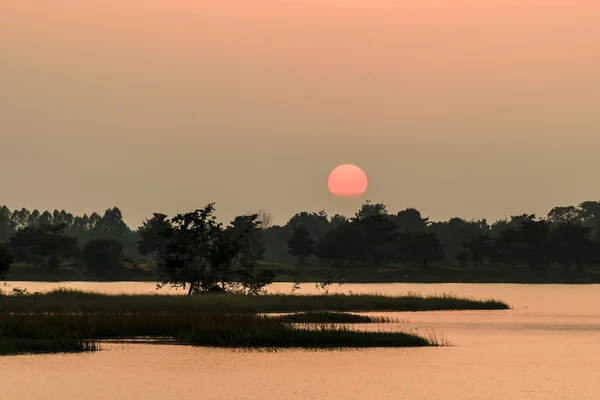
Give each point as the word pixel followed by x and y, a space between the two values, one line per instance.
pixel 568 236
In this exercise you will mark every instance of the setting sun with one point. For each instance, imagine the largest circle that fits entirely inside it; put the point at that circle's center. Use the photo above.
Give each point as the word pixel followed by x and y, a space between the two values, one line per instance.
pixel 348 181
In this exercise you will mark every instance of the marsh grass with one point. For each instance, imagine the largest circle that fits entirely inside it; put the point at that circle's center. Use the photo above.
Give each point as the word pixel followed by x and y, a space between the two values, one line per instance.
pixel 201 329
pixel 66 300
pixel 70 320
pixel 318 317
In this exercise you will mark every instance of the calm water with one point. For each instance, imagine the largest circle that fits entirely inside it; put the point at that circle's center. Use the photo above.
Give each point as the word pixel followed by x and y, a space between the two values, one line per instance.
pixel 548 347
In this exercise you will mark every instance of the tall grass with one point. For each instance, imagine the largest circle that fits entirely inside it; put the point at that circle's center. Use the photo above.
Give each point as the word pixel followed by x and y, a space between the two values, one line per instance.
pixel 77 301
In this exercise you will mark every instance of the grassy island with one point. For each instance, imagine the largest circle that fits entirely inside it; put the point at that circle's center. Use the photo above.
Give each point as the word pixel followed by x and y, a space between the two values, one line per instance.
pixel 68 320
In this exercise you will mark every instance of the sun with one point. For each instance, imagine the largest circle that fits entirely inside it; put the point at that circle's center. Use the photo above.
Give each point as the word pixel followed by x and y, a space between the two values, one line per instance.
pixel 348 180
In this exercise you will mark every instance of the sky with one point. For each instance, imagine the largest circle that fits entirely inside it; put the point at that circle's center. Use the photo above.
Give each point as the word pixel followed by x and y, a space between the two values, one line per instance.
pixel 476 109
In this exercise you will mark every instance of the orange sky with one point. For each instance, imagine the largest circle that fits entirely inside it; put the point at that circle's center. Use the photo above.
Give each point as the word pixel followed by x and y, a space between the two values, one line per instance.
pixel 458 108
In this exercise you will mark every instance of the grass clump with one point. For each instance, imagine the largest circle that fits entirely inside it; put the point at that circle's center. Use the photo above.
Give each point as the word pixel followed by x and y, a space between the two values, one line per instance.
pixel 324 317
pixel 287 336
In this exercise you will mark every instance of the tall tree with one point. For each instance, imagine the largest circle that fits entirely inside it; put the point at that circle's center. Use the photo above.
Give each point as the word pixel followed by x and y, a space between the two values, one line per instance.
pixel 248 233
pixel 378 233
pixel 6 225
pixel 21 218
pixel 300 244
pixel 152 241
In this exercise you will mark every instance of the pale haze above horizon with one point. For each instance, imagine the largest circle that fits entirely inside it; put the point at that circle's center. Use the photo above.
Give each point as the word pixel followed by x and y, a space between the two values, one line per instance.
pixel 457 108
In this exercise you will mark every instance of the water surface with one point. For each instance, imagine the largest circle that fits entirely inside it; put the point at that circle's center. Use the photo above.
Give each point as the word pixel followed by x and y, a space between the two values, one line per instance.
pixel 547 347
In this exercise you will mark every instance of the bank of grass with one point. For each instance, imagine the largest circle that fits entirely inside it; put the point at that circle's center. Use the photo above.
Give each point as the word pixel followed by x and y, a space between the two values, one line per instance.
pixel 193 328
pixel 326 317
pixel 67 300
pixel 12 346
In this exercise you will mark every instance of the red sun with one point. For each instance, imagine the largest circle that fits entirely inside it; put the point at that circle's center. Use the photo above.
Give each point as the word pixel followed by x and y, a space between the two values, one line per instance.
pixel 348 181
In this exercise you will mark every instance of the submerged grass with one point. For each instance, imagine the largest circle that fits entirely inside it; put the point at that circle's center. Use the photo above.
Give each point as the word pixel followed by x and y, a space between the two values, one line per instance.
pixel 63 300
pixel 11 346
pixel 319 317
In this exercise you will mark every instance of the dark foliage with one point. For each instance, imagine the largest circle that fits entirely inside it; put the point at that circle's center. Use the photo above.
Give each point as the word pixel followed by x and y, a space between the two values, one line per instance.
pixel 43 242
pixel 101 254
pixel 300 244
pixel 6 259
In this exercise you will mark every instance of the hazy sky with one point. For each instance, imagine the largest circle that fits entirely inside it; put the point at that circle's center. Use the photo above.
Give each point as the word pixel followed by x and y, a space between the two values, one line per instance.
pixel 458 108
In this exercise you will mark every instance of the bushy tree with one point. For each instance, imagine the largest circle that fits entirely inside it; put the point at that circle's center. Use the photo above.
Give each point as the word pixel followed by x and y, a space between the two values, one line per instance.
pixel 410 220
pixel 200 253
pixel 300 244
pixel 102 253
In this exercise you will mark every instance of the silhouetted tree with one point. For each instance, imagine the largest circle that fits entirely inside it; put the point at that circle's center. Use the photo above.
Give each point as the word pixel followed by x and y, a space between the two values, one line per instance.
pixel 342 245
pixel 43 243
pixel 152 241
pixel 102 253
pixel 571 244
pixel 410 220
pixel 457 231
pixel 317 224
pixel 6 260
pixel 479 248
pixel 560 215
pixel 422 247
pixel 589 214
pixel 21 219
pixel 506 248
pixel 301 244
pixel 6 225
pixel 534 237
pixel 200 253
pixel 378 233
pixel 249 235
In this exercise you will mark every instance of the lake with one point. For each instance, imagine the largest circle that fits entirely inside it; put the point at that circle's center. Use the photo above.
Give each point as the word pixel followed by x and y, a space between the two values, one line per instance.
pixel 547 347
